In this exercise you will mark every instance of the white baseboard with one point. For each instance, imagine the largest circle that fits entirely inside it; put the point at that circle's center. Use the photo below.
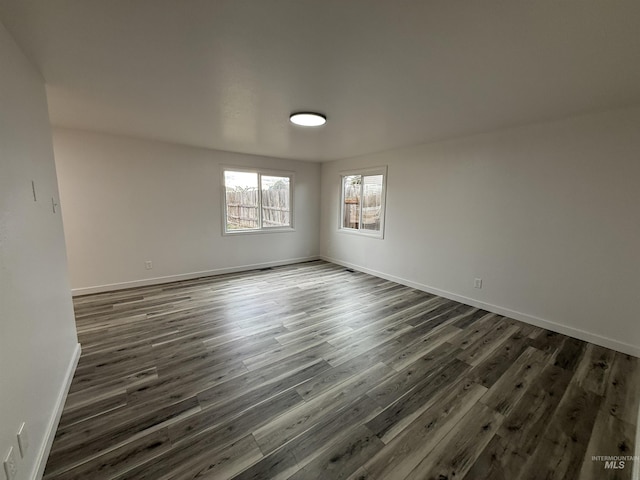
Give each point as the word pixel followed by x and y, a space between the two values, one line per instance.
pixel 186 276
pixel 524 317
pixel 43 454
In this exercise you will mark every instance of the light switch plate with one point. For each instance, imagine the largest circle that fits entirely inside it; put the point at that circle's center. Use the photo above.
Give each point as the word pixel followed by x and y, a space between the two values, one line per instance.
pixel 23 440
pixel 10 466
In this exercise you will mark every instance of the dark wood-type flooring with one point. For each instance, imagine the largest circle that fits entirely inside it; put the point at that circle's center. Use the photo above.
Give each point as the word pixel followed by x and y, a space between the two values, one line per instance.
pixel 311 371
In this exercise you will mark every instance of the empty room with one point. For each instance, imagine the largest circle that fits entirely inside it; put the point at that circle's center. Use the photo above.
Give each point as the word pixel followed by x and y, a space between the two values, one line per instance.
pixel 339 239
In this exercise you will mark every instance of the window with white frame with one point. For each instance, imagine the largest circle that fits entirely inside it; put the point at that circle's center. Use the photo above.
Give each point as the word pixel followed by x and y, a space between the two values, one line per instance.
pixel 363 202
pixel 257 201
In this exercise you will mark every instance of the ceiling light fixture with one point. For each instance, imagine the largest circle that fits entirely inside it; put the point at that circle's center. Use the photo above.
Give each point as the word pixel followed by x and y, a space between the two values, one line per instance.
pixel 308 119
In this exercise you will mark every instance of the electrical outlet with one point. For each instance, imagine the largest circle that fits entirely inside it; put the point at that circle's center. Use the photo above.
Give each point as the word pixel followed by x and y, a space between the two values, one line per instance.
pixel 148 264
pixel 23 440
pixel 477 283
pixel 10 465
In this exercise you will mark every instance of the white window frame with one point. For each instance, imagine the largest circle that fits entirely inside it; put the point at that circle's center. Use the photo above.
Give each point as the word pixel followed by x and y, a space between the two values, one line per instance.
pixel 364 172
pixel 261 172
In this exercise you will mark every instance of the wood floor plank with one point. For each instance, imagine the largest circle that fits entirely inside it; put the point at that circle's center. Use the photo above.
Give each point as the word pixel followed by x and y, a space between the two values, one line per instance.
pixel 404 452
pixel 454 456
pixel 505 394
pixel 548 341
pixel 500 460
pixel 317 349
pixel 622 394
pixel 560 453
pixel 306 447
pixel 496 364
pixel 299 419
pixel 470 318
pixel 486 345
pixel 473 332
pixel 396 415
pixel 594 369
pixel 178 386
pixel 342 458
pixel 279 465
pixel 97 406
pixel 528 420
pixel 610 437
pixel 228 427
pixel 314 371
pixel 339 356
pixel 360 474
pixel 113 462
pixel 421 346
pixel 72 446
pixel 225 463
pixel 334 376
pixel 239 404
pixel 414 375
pixel 569 353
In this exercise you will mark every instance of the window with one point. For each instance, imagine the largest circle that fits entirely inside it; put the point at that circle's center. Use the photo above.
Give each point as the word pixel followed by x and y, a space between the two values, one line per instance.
pixel 362 206
pixel 256 201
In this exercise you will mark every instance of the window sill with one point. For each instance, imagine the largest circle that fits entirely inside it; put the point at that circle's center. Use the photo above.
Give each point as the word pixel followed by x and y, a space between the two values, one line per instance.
pixel 233 233
pixel 361 233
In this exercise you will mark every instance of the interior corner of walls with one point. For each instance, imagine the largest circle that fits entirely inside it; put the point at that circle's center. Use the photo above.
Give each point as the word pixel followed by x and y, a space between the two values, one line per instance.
pixel 56 414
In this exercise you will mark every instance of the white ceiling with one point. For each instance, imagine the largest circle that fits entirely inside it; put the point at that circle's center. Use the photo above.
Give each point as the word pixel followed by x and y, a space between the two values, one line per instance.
pixel 226 74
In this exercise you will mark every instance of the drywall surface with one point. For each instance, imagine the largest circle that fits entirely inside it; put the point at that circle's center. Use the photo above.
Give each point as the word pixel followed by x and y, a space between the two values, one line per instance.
pixel 127 201
pixel 546 215
pixel 37 330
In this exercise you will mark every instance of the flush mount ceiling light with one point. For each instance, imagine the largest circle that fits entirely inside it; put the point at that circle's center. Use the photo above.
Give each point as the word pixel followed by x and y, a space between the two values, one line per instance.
pixel 308 119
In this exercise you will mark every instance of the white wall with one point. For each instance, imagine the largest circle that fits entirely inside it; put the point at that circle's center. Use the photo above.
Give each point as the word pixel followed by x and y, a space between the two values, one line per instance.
pixel 547 215
pixel 37 330
pixel 129 200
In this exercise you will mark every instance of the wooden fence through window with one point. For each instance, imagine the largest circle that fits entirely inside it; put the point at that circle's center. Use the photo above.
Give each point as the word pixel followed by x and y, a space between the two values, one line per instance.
pixel 242 208
pixel 371 209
